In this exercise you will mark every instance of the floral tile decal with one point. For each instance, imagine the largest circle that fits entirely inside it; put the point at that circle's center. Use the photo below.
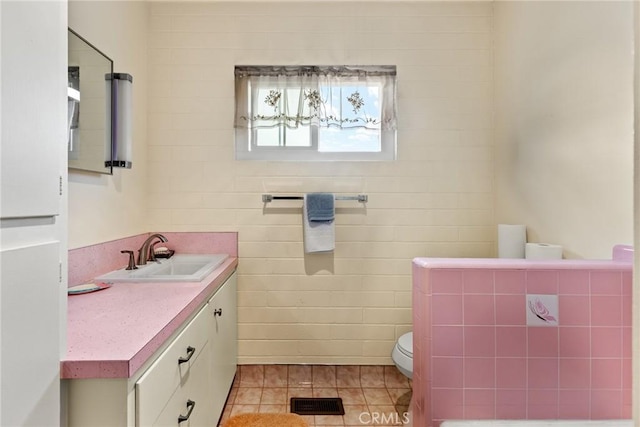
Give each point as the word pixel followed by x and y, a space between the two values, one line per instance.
pixel 542 310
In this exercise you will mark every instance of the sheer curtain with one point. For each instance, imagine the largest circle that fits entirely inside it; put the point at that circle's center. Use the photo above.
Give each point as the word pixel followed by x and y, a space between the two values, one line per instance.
pixel 324 96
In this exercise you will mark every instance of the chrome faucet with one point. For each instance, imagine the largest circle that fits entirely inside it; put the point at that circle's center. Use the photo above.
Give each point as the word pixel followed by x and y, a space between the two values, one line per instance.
pixel 144 253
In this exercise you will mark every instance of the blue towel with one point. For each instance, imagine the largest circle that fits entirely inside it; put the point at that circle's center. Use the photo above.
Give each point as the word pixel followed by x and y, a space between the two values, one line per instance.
pixel 320 207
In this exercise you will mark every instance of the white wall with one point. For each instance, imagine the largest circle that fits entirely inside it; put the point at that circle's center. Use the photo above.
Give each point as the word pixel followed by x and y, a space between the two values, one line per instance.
pixel 564 117
pixel 107 207
pixel 435 200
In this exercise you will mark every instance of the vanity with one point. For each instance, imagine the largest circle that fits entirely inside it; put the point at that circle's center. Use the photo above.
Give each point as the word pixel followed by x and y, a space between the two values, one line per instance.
pixel 152 353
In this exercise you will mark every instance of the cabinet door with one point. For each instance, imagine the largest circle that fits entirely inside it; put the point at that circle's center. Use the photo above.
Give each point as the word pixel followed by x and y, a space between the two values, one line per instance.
pixel 33 82
pixel 196 389
pixel 223 341
pixel 170 371
pixel 30 312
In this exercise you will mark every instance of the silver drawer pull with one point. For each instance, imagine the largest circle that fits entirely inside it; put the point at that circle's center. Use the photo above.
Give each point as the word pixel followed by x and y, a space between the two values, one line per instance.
pixel 190 352
pixel 217 312
pixel 190 405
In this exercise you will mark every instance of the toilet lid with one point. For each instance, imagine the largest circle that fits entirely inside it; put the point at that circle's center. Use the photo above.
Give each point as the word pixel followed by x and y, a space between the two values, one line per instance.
pixel 405 344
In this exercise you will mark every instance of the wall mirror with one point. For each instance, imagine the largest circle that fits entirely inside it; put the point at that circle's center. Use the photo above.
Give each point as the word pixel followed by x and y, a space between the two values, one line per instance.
pixel 88 106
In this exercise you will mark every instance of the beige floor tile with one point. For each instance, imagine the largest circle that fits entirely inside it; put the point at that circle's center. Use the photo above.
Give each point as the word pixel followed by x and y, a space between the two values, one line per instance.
pixel 348 376
pixel 323 376
pixel 324 392
pixel 356 415
pixel 244 409
pixel 376 396
pixel 251 375
pixel 276 375
pixel 273 409
pixel 274 396
pixel 394 378
pixel 248 396
pixel 372 376
pixel 300 376
pixel 329 420
pixel 352 396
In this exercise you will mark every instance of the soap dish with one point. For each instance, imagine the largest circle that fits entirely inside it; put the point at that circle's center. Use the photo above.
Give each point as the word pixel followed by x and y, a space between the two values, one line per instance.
pixel 87 287
pixel 165 254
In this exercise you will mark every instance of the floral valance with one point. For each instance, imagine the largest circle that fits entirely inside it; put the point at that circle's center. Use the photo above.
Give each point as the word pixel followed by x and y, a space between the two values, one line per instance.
pixel 325 96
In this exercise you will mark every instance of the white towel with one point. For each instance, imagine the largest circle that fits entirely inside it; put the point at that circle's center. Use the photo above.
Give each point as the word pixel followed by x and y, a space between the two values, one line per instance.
pixel 318 236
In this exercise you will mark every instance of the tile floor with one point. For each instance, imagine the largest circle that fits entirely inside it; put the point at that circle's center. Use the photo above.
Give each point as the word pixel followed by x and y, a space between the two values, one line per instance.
pixel 371 395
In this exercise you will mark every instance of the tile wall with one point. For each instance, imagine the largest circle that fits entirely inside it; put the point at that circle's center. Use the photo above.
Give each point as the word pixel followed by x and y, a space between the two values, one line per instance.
pixel 476 356
pixel 348 307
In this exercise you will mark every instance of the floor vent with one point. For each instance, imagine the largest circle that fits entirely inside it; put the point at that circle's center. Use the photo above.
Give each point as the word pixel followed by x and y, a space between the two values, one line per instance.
pixel 317 406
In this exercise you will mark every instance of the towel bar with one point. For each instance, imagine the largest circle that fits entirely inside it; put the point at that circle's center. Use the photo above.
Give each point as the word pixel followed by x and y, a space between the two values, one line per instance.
pixel 266 198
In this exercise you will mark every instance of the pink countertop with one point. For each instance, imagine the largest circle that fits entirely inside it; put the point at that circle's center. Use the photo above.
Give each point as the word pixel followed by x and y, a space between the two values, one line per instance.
pixel 113 332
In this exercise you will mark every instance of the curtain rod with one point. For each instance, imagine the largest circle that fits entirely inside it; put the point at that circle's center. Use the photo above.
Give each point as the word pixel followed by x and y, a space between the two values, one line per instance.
pixel 266 198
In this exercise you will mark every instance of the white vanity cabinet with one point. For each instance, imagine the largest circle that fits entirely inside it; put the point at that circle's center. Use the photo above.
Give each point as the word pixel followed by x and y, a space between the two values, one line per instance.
pixel 185 383
pixel 170 386
pixel 222 308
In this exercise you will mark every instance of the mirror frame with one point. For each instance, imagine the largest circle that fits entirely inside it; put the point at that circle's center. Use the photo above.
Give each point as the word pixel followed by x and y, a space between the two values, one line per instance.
pixel 108 140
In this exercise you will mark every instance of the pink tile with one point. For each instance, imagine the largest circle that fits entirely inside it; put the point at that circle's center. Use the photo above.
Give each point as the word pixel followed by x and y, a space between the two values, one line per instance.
pixel 479 372
pixel 606 373
pixel 479 412
pixel 446 309
pixel 511 404
pixel 479 341
pixel 511 373
pixel 479 397
pixel 542 282
pixel 574 310
pixel 606 310
pixel 626 342
pixel 606 282
pixel 479 404
pixel 542 373
pixel 478 281
pixel 479 310
pixel 575 373
pixel 627 283
pixel 447 403
pixel 575 341
pixel 447 341
pixel 510 282
pixel 606 342
pixel 606 404
pixel 542 342
pixel 447 372
pixel 510 310
pixel 573 282
pixel 542 404
pixel 574 404
pixel 446 281
pixel 626 310
pixel 626 373
pixel 511 341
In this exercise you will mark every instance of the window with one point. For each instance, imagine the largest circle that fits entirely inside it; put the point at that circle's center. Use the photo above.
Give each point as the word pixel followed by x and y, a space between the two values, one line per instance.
pixel 315 113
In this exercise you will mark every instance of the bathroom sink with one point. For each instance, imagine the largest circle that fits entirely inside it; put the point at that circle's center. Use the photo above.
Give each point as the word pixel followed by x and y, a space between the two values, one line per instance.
pixel 178 268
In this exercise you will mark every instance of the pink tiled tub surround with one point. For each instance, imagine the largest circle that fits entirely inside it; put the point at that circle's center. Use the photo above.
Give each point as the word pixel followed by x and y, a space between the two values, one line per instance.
pixel 90 261
pixel 476 358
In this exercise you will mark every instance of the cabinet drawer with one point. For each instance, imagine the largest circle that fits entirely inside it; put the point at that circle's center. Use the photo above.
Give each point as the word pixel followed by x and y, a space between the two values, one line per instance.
pixel 196 392
pixel 160 381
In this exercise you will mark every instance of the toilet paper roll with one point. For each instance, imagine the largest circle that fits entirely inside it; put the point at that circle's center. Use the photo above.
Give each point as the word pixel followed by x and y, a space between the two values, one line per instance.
pixel 511 240
pixel 543 251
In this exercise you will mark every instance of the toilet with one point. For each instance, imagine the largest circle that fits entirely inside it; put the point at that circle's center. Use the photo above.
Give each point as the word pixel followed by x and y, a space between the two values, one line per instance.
pixel 402 354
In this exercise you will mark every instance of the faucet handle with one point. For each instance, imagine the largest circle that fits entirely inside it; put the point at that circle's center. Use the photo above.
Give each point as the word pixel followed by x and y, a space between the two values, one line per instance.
pixel 132 260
